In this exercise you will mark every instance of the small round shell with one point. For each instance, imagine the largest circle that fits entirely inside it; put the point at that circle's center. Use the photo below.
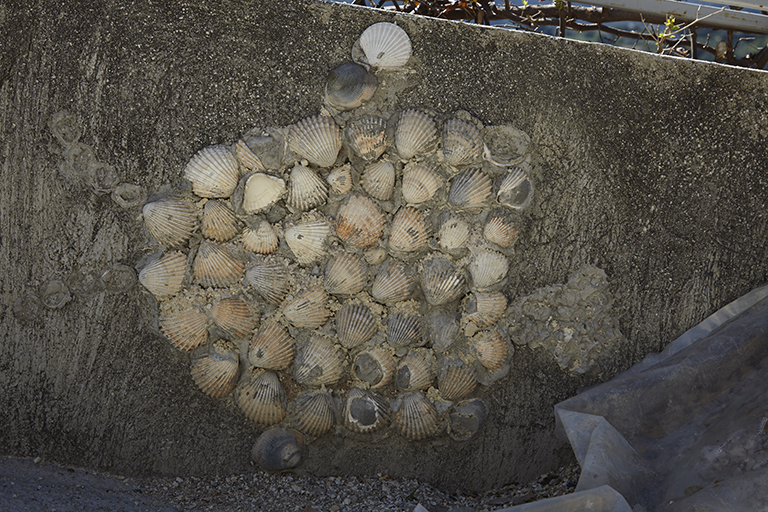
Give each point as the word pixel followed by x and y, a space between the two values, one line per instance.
pixel 340 179
pixel 118 277
pixel 219 222
pixel 417 417
pixel 171 220
pixel 485 308
pixel 462 142
pixel 345 275
pixel 516 190
pixel 247 158
pixel 270 280
pixel 185 328
pixel 453 234
pixel 374 366
pixel 261 192
pixel 313 412
pixel 490 349
pixel 378 180
pixel 360 222
pixel 128 195
pixel 165 275
pixel 365 411
pixel 384 45
pixel 272 348
pixel 308 190
pixel 319 363
pixel 262 240
pixel 234 316
pixel 213 172
pixel 316 138
pixel 263 399
pixel 278 449
pixel 216 372
pixel 408 231
pixel 403 330
pixel 367 137
pixel 355 324
pixel 308 309
pixel 415 133
pixel 216 267
pixel 501 230
pixel 349 86
pixel 66 128
pixel 488 268
pixel 470 190
pixel 420 183
pixel 392 283
pixel 466 418
pixel 455 380
pixel 54 293
pixel 441 280
pixel 307 240
pixel 416 370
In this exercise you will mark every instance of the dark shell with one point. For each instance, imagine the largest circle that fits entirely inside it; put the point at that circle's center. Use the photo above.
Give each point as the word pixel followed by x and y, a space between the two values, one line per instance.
pixel 278 449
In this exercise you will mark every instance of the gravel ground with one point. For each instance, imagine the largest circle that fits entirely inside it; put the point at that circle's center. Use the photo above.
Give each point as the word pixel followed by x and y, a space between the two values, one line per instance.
pixel 34 485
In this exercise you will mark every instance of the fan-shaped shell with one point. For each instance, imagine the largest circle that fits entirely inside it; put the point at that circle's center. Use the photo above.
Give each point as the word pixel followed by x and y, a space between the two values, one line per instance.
pixel 355 324
pixel 316 138
pixel 216 267
pixel 466 418
pixel 248 159
pixel 262 240
pixel 490 349
pixel 516 190
pixel 420 183
pixel 488 308
pixel 340 179
pixel 454 233
pixel 213 172
pixel 403 330
pixel 442 329
pixel 488 268
pixel 408 231
pixel 313 412
pixel 270 279
pixel 392 283
pixel 470 190
pixel 345 275
pixel 261 192
pixel 263 399
pixel 349 86
pixel 500 230
pixel 462 142
pixel 416 370
pixel 216 372
pixel 367 137
pixel 455 380
pixel 308 309
pixel 235 316
pixel 414 134
pixel 417 417
pixel 375 366
pixel 186 328
pixel 272 348
pixel 219 222
pixel 385 45
pixel 165 275
pixel 319 363
pixel 307 240
pixel 378 180
pixel 171 220
pixel 365 411
pixel 278 449
pixel 360 222
pixel 308 190
pixel 441 280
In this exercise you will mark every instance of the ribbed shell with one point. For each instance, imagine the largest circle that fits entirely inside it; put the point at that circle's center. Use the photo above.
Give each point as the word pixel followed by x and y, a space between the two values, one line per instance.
pixel 462 142
pixel 216 372
pixel 360 222
pixel 165 275
pixel 489 307
pixel 501 231
pixel 516 190
pixel 454 379
pixel 367 137
pixel 417 418
pixel 313 412
pixel 262 240
pixel 355 324
pixel 316 138
pixel 261 192
pixel 414 133
pixel 213 172
pixel 490 349
pixel 454 233
pixel 248 159
pixel 376 366
pixel 270 279
pixel 186 328
pixel 308 190
pixel 272 348
pixel 416 370
pixel 441 280
pixel 403 330
pixel 385 45
pixel 378 180
pixel 470 190
pixel 488 268
pixel 349 86
pixel 308 309
pixel 216 267
pixel 392 284
pixel 171 220
pixel 408 231
pixel 340 179
pixel 365 411
pixel 345 275
pixel 319 363
pixel 278 449
pixel 263 399
pixel 307 240
pixel 235 316
pixel 420 183
pixel 219 222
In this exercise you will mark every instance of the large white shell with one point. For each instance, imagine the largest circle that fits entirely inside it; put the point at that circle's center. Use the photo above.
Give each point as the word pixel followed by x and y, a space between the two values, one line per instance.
pixel 408 231
pixel 349 86
pixel 470 190
pixel 308 309
pixel 414 134
pixel 262 240
pixel 216 372
pixel 420 182
pixel 374 366
pixel 185 327
pixel 367 137
pixel 307 240
pixel 313 412
pixel 462 142
pixel 216 267
pixel 308 190
pixel 219 222
pixel 345 275
pixel 213 172
pixel 165 275
pixel 378 180
pixel 261 192
pixel 316 138
pixel 270 279
pixel 516 190
pixel 272 348
pixel 454 233
pixel 360 222
pixel 385 45
pixel 365 411
pixel 355 324
pixel 263 399
pixel 417 417
pixel 171 220
pixel 319 363
pixel 488 268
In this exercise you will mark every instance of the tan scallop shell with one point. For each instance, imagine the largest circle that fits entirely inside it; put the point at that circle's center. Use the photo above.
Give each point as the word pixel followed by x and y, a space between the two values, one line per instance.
pixel 308 190
pixel 345 275
pixel 365 411
pixel 307 240
pixel 216 372
pixel 216 267
pixel 490 349
pixel 185 328
pixel 270 279
pixel 392 283
pixel 416 370
pixel 262 240
pixel 355 324
pixel 278 448
pixel 441 280
pixel 308 309
pixel 247 158
pixel 313 412
pixel 261 192
pixel 455 380
pixel 235 316
pixel 385 45
pixel 367 137
pixel 165 275
pixel 454 233
pixel 417 417
pixel 219 222
pixel 319 363
pixel 378 180
pixel 360 222
pixel 500 230
pixel 171 220
pixel 462 142
pixel 470 190
pixel 272 348
pixel 316 138
pixel 263 399
pixel 340 179
pixel 488 308
pixel 414 134
pixel 516 189
pixel 403 330
pixel 408 231
pixel 213 172
pixel 488 268
pixel 375 366
pixel 420 183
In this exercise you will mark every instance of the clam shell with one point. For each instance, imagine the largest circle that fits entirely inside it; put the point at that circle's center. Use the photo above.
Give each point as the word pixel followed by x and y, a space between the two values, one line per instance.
pixel 213 172
pixel 308 190
pixel 416 370
pixel 375 366
pixel 261 192
pixel 365 412
pixel 235 316
pixel 278 449
pixel 319 363
pixel 219 222
pixel 185 328
pixel 216 372
pixel 420 183
pixel 454 233
pixel 442 330
pixel 466 418
pixel 378 180
pixel 308 309
pixel 455 380
pixel 490 349
pixel 441 280
pixel 340 179
pixel 270 279
pixel 118 277
pixel 488 268
pixel 414 134
pixel 165 275
pixel 307 240
pixel 355 324
pixel 215 267
pixel 349 86
pixel 171 220
pixel 385 45
pixel 516 190
pixel 263 399
pixel 247 158
pixel 345 275
pixel 470 190
pixel 66 128
pixel 272 348
pixel 462 142
pixel 360 222
pixel 417 418
pixel 488 308
pixel 392 283
pixel 500 230
pixel 408 231
pixel 403 330
pixel 262 240
pixel 54 294
pixel 313 412
pixel 316 138
pixel 367 137
pixel 128 195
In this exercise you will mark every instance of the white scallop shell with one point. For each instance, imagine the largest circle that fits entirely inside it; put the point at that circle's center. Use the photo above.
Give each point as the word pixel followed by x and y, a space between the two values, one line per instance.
pixel 488 268
pixel 234 316
pixel 316 138
pixel 516 190
pixel 307 240
pixel 355 324
pixel 261 192
pixel 417 417
pixel 385 45
pixel 319 363
pixel 414 134
pixel 345 275
pixel 213 172
pixel 171 220
pixel 488 308
pixel 313 412
pixel 392 283
pixel 367 137
pixel 470 190
pixel 308 309
pixel 216 372
pixel 263 399
pixel 360 222
pixel 165 275
pixel 270 280
pixel 349 86
pixel 219 222
pixel 454 233
pixel 378 180
pixel 441 280
pixel 462 142
pixel 416 370
pixel 272 348
pixel 185 328
pixel 365 411
pixel 262 240
pixel 500 230
pixel 420 183
pixel 408 231
pixel 307 190
pixel 375 366
pixel 216 267
pixel 340 179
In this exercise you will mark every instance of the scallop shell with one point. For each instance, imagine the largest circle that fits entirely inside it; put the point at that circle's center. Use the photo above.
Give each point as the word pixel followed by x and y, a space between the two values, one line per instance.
pixel 262 240
pixel 345 275
pixel 171 220
pixel 261 192
pixel 272 348
pixel 308 309
pixel 270 279
pixel 374 366
pixel 235 316
pixel 349 86
pixel 385 45
pixel 414 134
pixel 378 180
pixel 365 412
pixel 488 308
pixel 454 379
pixel 417 418
pixel 340 179
pixel 408 231
pixel 317 138
pixel 308 190
pixel 319 363
pixel 263 399
pixel 420 183
pixel 219 222
pixel 355 324
pixel 488 268
pixel 441 280
pixel 216 372
pixel 500 230
pixel 490 349
pixel 248 159
pixel 403 330
pixel 313 412
pixel 516 190
pixel 442 330
pixel 462 142
pixel 470 190
pixel 360 222
pixel 466 418
pixel 416 370
pixel 307 240
pixel 216 267
pixel 454 233
pixel 165 275
pixel 392 283
pixel 213 172
pixel 367 137
pixel 185 328
pixel 278 449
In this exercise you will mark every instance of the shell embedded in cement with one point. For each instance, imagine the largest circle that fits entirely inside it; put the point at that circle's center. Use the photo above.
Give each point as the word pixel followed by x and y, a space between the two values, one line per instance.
pixel 384 45
pixel 501 230
pixel 316 138
pixel 340 180
pixel 219 222
pixel 403 330
pixel 270 280
pixel 417 417
pixel 216 372
pixel 455 380
pixel 408 231
pixel 263 399
pixel 272 348
pixel 516 189
pixel 485 308
pixel 234 316
pixel 360 222
pixel 186 327
pixel 416 370
pixel 262 240
pixel 466 418
pixel 349 86
pixel 415 133
pixel 442 330
pixel 318 363
pixel 490 349
pixel 367 137
pixel 66 128
pixel 313 412
pixel 462 142
pixel 261 192
pixel 355 324
pixel 453 233
pixel 308 309
pixel 171 220
pixel 278 449
pixel 54 294
pixel 346 274
pixel 375 366
pixel 442 280
pixel 420 183
pixel 470 190
pixel 307 240
pixel 392 283
pixel 488 268
pixel 129 195
pixel 247 158
pixel 118 277
pixel 213 172
pixel 216 267
pixel 365 411
pixel 378 180
pixel 307 190
pixel 165 275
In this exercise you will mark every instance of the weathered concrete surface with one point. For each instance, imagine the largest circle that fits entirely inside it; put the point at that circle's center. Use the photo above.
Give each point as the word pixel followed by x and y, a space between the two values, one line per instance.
pixel 653 169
